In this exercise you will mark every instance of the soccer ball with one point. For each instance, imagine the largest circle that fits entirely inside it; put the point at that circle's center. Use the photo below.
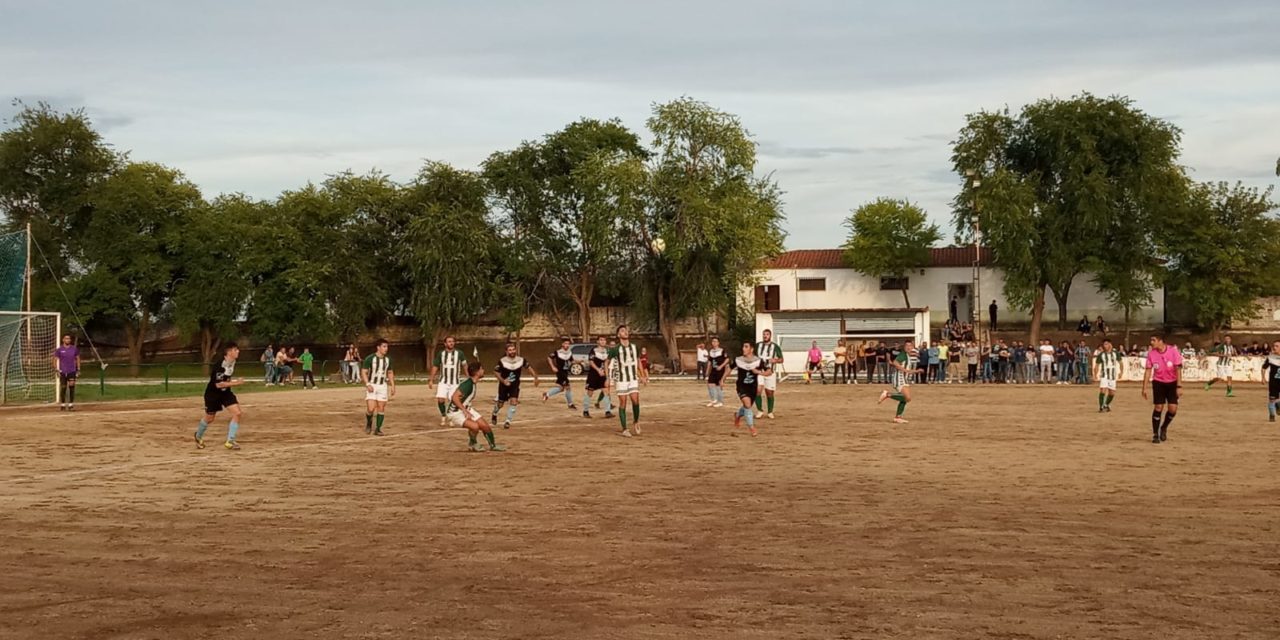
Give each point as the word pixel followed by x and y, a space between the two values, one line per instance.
pixel 658 245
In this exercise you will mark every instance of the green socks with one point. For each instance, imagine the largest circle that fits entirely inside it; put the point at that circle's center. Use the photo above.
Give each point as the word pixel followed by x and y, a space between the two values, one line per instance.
pixel 1109 399
pixel 488 435
pixel 1102 400
pixel 759 403
pixel 368 420
pixel 899 397
pixel 902 406
pixel 471 438
pixel 770 404
pixel 622 417
pixel 635 412
pixel 379 421
pixel 441 406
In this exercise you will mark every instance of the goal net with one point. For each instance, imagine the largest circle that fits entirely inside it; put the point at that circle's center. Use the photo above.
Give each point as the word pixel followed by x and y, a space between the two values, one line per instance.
pixel 27 344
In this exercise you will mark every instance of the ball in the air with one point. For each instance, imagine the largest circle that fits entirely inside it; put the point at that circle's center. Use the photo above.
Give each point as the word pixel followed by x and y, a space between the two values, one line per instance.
pixel 658 245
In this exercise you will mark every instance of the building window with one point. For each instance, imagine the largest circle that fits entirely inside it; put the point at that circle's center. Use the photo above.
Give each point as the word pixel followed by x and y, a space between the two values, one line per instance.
pixel 768 297
pixel 812 284
pixel 895 284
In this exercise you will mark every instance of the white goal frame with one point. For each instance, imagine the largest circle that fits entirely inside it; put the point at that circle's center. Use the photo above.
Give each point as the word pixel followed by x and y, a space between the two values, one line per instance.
pixel 6 350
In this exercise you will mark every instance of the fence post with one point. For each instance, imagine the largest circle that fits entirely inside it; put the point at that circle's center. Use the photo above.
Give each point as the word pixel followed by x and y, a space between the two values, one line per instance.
pixel 323 365
pixel 166 378
pixel 102 381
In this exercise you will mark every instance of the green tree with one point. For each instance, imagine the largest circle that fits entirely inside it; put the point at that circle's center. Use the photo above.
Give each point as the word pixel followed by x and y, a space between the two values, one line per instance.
pixel 357 246
pixel 49 164
pixel 131 247
pixel 889 237
pixel 716 219
pixel 1222 247
pixel 1053 181
pixel 212 289
pixel 551 193
pixel 451 253
pixel 292 283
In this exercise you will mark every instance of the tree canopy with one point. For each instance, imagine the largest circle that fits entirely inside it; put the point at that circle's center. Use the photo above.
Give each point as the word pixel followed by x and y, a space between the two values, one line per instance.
pixel 889 237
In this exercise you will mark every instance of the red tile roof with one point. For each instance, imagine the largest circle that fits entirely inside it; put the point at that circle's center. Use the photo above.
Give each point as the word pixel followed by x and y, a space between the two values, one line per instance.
pixel 834 258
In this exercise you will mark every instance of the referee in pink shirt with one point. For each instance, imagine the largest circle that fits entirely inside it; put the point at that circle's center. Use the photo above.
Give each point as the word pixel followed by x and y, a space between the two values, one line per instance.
pixel 1164 372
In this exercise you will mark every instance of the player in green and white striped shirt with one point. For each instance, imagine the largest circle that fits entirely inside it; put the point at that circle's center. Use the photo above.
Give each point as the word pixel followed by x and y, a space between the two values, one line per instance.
pixel 629 376
pixel 379 384
pixel 462 414
pixel 771 353
pixel 1225 352
pixel 1108 366
pixel 448 365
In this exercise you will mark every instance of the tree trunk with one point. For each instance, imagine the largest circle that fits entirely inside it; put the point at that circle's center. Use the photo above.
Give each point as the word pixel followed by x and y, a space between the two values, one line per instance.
pixel 1037 317
pixel 1126 328
pixel 1061 298
pixel 582 297
pixel 208 346
pixel 667 327
pixel 905 300
pixel 429 346
pixel 136 337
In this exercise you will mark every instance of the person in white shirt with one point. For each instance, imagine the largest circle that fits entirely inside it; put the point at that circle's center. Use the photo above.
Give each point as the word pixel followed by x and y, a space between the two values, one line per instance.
pixel 703 358
pixel 1046 361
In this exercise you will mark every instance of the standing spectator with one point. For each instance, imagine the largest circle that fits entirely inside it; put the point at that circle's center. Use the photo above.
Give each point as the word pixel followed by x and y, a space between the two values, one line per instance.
pixel 1030 356
pixel 990 363
pixel 842 362
pixel 1084 355
pixel 934 356
pixel 355 364
pixel 1017 354
pixel 814 363
pixel 283 370
pixel 1065 355
pixel 954 306
pixel 268 360
pixel 944 351
pixel 644 361
pixel 1046 362
pixel 294 363
pixel 956 353
pixel 703 358
pixel 350 365
pixel 882 360
pixel 1084 327
pixel 1100 327
pixel 971 358
pixel 993 310
pixel 308 375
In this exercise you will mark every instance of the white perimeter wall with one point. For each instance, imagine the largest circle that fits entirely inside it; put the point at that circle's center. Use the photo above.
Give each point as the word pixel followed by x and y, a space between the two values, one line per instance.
pixel 848 289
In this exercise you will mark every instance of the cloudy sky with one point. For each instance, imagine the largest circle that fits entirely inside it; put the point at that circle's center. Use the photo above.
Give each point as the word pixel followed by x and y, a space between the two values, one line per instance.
pixel 848 100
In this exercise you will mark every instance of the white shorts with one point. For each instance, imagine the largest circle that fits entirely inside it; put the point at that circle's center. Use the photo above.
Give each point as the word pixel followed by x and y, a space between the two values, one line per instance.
pixel 769 382
pixel 459 419
pixel 379 393
pixel 1105 384
pixel 1224 371
pixel 445 391
pixel 627 388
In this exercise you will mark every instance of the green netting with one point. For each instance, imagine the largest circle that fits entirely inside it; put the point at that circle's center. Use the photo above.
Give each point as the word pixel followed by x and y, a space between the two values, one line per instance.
pixel 13 266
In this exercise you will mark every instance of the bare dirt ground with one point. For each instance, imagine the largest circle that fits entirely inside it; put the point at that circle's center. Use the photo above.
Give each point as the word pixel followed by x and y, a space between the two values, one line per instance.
pixel 999 512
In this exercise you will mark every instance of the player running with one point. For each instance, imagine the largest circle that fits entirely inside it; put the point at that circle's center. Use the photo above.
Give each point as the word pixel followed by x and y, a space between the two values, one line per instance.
pixel 379 385
pixel 462 415
pixel 717 363
pixel 1225 352
pixel 561 362
pixel 1108 367
pixel 771 353
pixel 1164 372
pixel 630 375
pixel 510 367
pixel 906 364
pixel 448 366
pixel 66 360
pixel 1271 373
pixel 750 367
pixel 218 396
pixel 598 378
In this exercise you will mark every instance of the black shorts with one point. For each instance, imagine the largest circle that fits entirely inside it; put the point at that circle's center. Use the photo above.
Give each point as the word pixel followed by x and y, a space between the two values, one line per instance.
pixel 748 391
pixel 714 376
pixel 215 402
pixel 1164 392
pixel 1273 388
pixel 68 377
pixel 595 381
pixel 508 391
pixel 814 366
pixel 562 378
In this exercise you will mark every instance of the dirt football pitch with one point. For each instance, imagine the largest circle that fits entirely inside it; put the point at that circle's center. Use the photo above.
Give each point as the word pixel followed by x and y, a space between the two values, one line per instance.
pixel 998 512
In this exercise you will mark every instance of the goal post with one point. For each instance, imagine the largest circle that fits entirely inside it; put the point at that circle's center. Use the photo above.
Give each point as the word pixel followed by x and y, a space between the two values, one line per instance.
pixel 28 341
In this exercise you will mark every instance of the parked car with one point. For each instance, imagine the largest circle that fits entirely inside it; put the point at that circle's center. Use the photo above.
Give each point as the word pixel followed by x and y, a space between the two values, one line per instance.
pixel 581 354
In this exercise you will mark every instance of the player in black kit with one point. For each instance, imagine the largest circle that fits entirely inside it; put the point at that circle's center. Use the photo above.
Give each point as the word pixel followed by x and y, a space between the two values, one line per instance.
pixel 598 377
pixel 509 369
pixel 561 362
pixel 717 363
pixel 1271 373
pixel 218 396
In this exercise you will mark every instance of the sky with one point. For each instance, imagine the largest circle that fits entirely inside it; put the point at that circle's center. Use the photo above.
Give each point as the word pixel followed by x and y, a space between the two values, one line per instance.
pixel 849 101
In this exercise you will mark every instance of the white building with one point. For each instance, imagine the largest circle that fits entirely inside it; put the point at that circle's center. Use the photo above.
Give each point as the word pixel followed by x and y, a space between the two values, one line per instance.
pixel 810 292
